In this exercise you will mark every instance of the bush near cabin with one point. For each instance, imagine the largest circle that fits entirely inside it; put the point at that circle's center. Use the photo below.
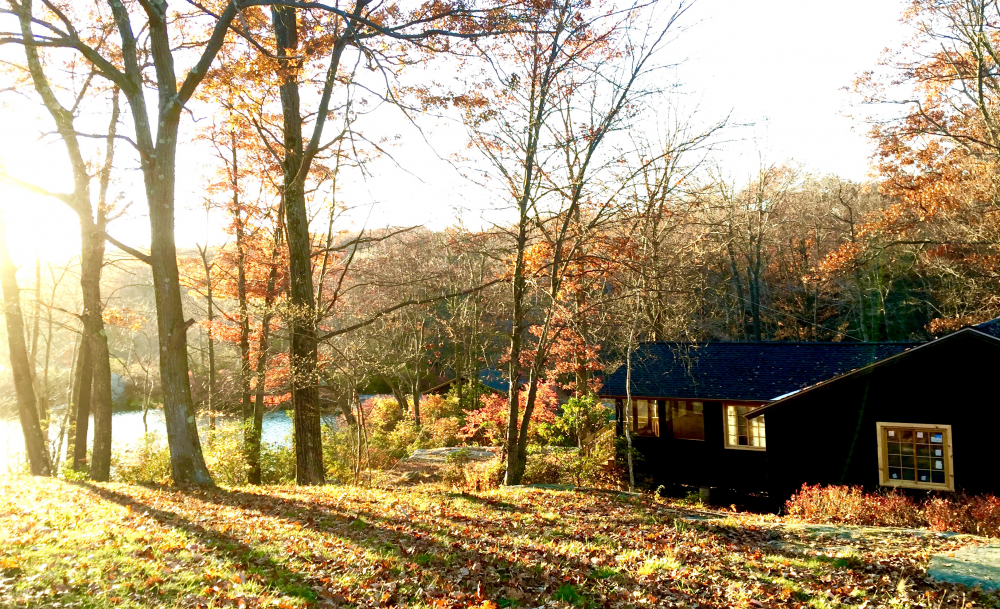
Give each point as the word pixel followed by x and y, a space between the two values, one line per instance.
pixel 975 515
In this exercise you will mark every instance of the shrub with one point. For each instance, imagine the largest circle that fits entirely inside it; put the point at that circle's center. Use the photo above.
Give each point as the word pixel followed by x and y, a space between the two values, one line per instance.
pixel 462 471
pixel 383 414
pixel 434 407
pixel 147 461
pixel 542 468
pixel 443 432
pixel 974 515
pixel 455 464
pixel 485 475
pixel 487 426
pixel 224 455
pixel 277 464
pixel 851 505
pixel 579 419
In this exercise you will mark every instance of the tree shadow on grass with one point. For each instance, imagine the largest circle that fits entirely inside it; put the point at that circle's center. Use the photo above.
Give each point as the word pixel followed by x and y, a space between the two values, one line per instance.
pixel 277 576
pixel 483 501
pixel 408 543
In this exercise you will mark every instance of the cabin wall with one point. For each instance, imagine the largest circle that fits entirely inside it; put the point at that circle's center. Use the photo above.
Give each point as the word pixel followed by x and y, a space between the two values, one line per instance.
pixel 829 436
pixel 700 463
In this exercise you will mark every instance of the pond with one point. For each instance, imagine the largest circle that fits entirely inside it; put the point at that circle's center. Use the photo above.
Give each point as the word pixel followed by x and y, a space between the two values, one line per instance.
pixel 127 429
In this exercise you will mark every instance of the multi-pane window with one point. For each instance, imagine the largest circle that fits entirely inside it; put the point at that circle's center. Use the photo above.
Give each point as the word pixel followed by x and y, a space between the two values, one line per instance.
pixel 742 432
pixel 687 419
pixel 915 455
pixel 645 419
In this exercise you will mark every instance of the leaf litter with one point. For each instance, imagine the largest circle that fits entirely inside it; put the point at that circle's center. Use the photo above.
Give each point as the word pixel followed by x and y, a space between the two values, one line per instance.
pixel 116 545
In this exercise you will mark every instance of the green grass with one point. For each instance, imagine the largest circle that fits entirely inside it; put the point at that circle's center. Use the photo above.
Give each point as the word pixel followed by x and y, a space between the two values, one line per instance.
pixel 113 545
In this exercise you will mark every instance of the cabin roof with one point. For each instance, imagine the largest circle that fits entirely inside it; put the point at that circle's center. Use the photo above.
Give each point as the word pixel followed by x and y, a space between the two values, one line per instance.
pixel 489 377
pixel 740 371
pixel 991 327
pixel 975 333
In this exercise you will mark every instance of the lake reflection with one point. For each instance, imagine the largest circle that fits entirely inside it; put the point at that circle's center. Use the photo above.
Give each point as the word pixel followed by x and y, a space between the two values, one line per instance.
pixel 127 429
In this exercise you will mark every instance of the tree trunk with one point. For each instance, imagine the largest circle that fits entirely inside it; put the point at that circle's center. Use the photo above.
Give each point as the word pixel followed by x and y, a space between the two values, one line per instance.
pixel 187 464
pixel 47 362
pixel 211 337
pixel 241 286
pixel 70 419
pixel 36 319
pixel 416 401
pixel 398 393
pixel 81 402
pixel 303 347
pixel 515 465
pixel 91 261
pixel 257 428
pixel 27 406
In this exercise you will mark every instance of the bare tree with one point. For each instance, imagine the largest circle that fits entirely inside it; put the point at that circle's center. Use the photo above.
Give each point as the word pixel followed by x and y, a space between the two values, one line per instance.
pixel 27 401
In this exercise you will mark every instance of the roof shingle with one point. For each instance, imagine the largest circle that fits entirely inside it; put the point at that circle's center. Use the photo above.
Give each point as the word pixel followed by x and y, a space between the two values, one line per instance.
pixel 740 371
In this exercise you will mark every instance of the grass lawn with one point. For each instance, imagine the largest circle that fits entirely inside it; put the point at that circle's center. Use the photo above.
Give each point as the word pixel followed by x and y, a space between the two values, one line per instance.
pixel 113 545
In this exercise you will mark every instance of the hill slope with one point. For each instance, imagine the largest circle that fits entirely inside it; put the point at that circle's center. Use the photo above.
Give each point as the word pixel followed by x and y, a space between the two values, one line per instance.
pixel 76 544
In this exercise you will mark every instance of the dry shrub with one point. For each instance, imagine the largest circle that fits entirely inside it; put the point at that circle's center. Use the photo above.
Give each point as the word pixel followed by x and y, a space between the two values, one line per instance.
pixel 465 473
pixel 851 505
pixel 485 475
pixel 974 515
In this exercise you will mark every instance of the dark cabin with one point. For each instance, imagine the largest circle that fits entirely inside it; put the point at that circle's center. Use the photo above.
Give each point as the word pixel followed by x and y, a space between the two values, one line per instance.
pixel 490 378
pixel 924 419
pixel 690 401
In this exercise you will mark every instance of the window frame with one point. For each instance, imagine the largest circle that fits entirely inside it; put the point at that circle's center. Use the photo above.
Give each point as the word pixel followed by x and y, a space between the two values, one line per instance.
pixel 883 458
pixel 725 426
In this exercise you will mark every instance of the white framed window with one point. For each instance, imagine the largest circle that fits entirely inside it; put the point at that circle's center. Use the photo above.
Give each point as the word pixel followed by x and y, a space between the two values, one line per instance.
pixel 744 433
pixel 915 455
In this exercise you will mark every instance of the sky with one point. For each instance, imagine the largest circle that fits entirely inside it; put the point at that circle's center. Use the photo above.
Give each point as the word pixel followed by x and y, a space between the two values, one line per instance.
pixel 777 68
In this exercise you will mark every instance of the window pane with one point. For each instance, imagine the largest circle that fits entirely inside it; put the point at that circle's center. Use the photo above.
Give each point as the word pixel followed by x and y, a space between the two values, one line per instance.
pixel 914 455
pixel 688 420
pixel 741 431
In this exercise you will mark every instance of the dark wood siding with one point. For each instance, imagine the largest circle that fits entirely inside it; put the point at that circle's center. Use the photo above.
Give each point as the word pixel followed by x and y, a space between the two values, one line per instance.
pixel 828 436
pixel 701 463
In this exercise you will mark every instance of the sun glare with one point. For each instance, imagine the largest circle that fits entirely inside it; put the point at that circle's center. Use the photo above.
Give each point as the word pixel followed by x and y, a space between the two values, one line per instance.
pixel 38 226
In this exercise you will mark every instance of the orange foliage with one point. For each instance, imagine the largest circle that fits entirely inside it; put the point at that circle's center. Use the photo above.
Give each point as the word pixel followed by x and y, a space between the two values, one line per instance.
pixel 487 426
